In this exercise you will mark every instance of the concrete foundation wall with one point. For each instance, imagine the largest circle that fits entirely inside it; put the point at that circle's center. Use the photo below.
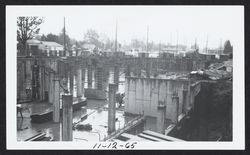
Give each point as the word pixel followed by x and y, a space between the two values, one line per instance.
pixel 143 95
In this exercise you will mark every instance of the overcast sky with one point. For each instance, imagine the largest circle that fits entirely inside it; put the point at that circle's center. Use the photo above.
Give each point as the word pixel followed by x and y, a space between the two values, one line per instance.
pixel 165 22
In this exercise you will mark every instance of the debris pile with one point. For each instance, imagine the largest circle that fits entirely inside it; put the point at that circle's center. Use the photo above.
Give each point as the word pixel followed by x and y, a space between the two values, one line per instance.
pixel 216 71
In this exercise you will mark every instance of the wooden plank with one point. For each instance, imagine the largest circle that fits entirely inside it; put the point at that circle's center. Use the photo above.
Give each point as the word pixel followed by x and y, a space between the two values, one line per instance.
pixel 161 136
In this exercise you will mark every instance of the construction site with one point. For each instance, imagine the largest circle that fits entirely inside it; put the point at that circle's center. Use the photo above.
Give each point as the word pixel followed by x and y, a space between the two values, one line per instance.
pixel 98 98
pixel 112 92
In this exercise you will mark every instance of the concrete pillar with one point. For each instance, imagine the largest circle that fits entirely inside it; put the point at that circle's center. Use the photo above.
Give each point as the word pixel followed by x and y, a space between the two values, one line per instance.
pixel 175 102
pixel 111 108
pixel 79 82
pixel 51 87
pixel 83 79
pixel 128 70
pixel 42 83
pixel 99 78
pixel 56 105
pixel 116 76
pixel 185 101
pixel 67 101
pixel 160 122
pixel 148 68
pixel 71 80
pixel 90 76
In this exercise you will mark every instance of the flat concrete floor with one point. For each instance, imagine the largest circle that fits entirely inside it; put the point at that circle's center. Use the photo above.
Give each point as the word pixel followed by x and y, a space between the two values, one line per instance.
pixel 97 116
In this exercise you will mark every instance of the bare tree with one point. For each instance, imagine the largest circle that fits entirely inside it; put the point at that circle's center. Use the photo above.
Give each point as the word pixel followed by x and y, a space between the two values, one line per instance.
pixel 27 28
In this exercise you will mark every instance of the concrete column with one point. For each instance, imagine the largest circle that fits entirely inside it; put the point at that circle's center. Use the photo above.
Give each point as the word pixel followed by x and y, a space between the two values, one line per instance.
pixel 116 76
pixel 41 83
pixel 89 76
pixel 67 101
pixel 46 85
pixel 175 102
pixel 148 68
pixel 71 80
pixel 51 87
pixel 185 101
pixel 99 78
pixel 56 105
pixel 128 70
pixel 79 82
pixel 160 122
pixel 83 79
pixel 111 108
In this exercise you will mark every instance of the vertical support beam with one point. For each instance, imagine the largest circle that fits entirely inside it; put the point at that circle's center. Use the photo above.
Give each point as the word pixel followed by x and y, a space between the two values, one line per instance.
pixel 51 87
pixel 71 80
pixel 148 68
pixel 175 102
pixel 185 101
pixel 83 79
pixel 79 82
pixel 128 70
pixel 67 101
pixel 41 83
pixel 99 81
pixel 160 122
pixel 111 108
pixel 89 76
pixel 56 105
pixel 116 76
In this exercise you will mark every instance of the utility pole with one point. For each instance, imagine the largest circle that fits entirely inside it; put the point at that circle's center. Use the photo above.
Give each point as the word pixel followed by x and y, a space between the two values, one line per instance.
pixel 64 52
pixel 177 42
pixel 195 44
pixel 116 37
pixel 207 45
pixel 147 39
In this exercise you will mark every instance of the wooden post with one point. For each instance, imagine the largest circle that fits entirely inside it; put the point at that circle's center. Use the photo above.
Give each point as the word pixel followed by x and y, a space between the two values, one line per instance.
pixel 56 105
pixel 67 101
pixel 111 108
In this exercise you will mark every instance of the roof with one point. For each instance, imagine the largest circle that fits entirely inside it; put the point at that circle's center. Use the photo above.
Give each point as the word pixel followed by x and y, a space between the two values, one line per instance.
pixel 46 43
pixel 50 43
pixel 33 41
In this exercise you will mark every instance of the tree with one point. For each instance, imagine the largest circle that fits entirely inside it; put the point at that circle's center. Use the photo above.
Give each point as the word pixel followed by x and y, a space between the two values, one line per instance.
pixel 228 48
pixel 27 28
pixel 52 37
pixel 92 37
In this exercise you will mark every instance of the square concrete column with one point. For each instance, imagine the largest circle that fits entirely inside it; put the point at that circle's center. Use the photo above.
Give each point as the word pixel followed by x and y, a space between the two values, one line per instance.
pixel 116 76
pixel 67 101
pixel 160 122
pixel 71 80
pixel 83 78
pixel 175 102
pixel 56 105
pixel 51 86
pixel 79 82
pixel 148 69
pixel 90 76
pixel 99 78
pixel 185 101
pixel 111 108
pixel 42 83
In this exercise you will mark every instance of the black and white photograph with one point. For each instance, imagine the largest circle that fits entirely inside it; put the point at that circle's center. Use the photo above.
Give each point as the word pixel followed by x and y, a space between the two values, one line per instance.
pixel 125 77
